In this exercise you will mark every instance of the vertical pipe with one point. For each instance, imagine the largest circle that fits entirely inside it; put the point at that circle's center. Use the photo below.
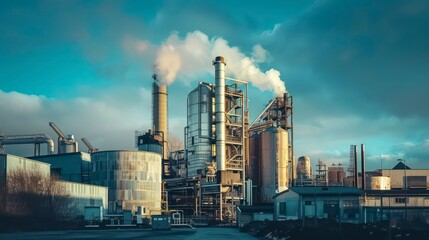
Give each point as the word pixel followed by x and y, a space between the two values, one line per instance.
pixel 356 166
pixel 362 155
pixel 219 64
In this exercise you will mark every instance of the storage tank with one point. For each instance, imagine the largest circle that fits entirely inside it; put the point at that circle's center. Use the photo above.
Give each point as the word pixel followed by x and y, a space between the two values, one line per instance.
pixel 379 183
pixel 303 168
pixel 199 128
pixel 68 145
pixel 274 162
pixel 133 178
pixel 254 156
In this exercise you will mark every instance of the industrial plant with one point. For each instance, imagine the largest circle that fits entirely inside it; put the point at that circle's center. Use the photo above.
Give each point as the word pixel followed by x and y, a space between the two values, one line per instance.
pixel 231 170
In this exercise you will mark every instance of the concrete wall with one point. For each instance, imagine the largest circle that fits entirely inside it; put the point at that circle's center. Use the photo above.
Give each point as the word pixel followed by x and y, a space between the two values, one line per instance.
pixel 397 176
pixel 82 195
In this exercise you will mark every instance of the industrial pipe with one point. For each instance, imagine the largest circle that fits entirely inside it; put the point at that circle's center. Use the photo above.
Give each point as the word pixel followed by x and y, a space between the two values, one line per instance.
pixel 219 64
pixel 362 155
pixel 35 139
pixel 356 166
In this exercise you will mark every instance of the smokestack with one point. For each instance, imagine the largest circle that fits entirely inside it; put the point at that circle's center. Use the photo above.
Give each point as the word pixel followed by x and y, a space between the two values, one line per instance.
pixel 159 112
pixel 362 155
pixel 356 166
pixel 219 64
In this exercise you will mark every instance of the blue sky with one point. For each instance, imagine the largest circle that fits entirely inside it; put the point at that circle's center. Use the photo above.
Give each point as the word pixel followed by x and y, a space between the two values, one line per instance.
pixel 358 70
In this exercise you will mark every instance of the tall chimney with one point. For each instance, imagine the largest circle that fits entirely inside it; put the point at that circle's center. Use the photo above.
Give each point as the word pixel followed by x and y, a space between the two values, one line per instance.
pixel 219 64
pixel 159 113
pixel 356 166
pixel 362 155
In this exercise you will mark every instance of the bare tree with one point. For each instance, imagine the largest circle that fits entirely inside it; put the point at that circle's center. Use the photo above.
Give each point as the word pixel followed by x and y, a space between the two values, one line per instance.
pixel 174 143
pixel 34 195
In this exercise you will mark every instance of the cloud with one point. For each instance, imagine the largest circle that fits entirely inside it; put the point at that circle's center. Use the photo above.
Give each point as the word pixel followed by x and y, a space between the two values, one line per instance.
pixel 107 118
pixel 359 50
pixel 415 153
pixel 190 57
pixel 357 76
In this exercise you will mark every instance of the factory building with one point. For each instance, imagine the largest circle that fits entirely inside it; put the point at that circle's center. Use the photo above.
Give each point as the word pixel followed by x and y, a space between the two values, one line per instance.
pixel 338 203
pixel 80 195
pixel 10 163
pixel 133 179
pixel 73 167
pixel 396 205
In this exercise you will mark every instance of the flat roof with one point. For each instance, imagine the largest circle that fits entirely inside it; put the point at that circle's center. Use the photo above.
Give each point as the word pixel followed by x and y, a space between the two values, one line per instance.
pixel 398 192
pixel 311 190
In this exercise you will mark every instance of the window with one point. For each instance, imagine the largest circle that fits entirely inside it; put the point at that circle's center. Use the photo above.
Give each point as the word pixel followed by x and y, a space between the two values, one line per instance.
pixel 400 200
pixel 282 208
pixel 331 207
pixel 307 203
pixel 351 207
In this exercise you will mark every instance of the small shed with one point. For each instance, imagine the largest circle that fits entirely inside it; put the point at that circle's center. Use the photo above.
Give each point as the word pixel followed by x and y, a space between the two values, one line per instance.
pixel 161 222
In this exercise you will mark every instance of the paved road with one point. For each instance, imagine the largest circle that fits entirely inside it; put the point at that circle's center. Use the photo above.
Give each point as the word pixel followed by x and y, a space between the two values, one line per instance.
pixel 180 233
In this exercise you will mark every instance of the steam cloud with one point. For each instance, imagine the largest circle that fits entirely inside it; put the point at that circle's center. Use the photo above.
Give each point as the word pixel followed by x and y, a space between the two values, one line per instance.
pixel 193 55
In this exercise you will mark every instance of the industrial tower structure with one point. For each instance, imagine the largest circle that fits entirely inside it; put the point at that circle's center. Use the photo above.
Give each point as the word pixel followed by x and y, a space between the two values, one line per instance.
pixel 277 113
pixel 230 124
pixel 215 149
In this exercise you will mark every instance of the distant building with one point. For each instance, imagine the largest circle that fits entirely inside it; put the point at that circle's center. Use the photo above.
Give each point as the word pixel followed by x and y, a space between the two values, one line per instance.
pixel 304 172
pixel 303 168
pixel 396 205
pixel 415 178
pixel 398 194
pixel 340 203
pixel 336 175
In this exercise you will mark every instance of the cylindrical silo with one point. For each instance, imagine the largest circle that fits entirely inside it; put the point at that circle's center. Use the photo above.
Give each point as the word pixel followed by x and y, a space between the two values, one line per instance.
pixel 274 162
pixel 133 178
pixel 254 156
pixel 303 168
pixel 199 129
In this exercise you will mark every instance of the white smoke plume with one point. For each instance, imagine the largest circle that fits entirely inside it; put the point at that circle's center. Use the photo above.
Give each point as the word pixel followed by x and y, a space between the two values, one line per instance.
pixel 192 55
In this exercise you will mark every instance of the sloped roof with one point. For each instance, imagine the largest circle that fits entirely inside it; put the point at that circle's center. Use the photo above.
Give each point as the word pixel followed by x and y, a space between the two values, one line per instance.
pixel 400 165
